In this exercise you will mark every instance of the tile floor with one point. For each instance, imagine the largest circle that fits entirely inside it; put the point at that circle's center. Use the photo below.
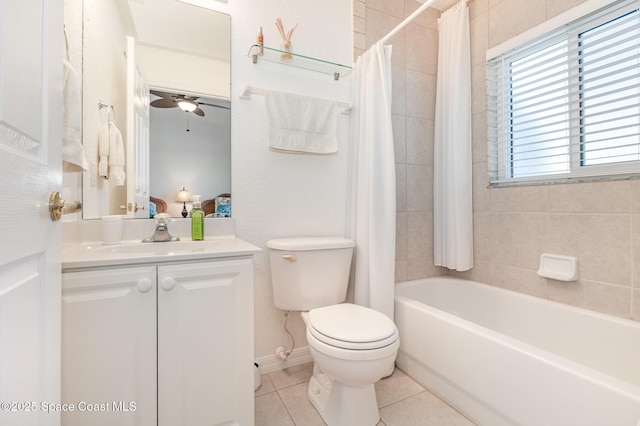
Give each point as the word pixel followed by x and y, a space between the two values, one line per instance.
pixel 282 401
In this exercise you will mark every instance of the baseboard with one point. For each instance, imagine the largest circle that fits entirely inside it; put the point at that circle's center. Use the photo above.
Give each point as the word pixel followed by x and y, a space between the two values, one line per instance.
pixel 271 363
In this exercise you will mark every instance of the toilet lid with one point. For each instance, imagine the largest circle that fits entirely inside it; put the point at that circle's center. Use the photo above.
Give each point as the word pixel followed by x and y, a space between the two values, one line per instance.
pixel 351 326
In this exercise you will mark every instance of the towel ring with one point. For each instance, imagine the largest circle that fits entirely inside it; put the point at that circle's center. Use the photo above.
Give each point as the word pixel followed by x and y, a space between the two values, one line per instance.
pixel 111 110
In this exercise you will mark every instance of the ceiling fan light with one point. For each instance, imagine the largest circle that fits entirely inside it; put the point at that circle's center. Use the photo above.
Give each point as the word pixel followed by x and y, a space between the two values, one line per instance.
pixel 187 106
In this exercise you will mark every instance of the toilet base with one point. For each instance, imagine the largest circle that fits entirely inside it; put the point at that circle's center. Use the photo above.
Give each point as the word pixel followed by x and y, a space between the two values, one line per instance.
pixel 341 405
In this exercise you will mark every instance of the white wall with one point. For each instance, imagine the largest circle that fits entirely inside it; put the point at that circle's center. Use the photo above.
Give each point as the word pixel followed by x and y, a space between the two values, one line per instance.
pixel 179 70
pixel 281 195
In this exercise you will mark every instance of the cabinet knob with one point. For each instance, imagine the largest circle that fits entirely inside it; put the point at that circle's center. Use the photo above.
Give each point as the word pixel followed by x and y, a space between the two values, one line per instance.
pixel 144 285
pixel 167 283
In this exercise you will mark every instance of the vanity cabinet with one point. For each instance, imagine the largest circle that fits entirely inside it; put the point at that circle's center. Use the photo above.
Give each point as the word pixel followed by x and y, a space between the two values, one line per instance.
pixel 164 344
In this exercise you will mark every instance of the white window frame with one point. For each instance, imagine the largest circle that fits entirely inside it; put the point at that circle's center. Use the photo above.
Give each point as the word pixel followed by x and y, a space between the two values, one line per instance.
pixel 498 117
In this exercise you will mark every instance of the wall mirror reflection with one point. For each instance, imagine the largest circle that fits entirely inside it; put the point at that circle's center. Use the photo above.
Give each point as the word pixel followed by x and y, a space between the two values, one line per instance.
pixel 137 53
pixel 189 149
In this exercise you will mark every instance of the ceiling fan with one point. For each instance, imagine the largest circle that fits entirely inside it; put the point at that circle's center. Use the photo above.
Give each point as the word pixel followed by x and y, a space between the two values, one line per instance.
pixel 187 103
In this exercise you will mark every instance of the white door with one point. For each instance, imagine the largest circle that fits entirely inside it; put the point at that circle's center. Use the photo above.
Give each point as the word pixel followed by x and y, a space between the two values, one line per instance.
pixel 31 42
pixel 137 136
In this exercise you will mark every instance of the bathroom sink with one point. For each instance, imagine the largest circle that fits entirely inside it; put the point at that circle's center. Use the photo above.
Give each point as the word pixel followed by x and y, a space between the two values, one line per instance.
pixel 136 252
pixel 155 249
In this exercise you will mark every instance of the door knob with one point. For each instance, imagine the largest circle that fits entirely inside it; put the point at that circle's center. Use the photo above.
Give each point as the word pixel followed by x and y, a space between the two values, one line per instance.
pixel 167 283
pixel 134 207
pixel 58 206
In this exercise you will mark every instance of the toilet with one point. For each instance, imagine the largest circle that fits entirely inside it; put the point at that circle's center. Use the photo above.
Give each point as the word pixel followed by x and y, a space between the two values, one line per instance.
pixel 352 346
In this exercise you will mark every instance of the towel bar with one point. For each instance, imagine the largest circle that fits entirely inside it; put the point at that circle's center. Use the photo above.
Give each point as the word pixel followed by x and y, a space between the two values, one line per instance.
pixel 247 90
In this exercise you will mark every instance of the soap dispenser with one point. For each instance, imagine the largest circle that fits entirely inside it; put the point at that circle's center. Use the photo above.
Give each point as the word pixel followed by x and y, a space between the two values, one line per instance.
pixel 197 220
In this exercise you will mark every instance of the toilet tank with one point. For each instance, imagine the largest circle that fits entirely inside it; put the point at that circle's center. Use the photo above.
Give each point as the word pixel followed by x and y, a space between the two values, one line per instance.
pixel 309 273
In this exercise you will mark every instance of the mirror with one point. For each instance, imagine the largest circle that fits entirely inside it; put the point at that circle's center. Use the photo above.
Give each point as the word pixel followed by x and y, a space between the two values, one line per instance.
pixel 189 149
pixel 180 49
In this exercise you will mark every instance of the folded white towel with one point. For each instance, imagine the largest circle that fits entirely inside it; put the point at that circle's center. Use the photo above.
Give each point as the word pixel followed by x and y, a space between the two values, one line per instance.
pixel 301 123
pixel 111 154
pixel 73 159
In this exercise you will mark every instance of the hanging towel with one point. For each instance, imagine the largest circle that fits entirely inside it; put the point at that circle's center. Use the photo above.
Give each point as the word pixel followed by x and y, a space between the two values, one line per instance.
pixel 111 154
pixel 116 157
pixel 301 123
pixel 103 151
pixel 73 159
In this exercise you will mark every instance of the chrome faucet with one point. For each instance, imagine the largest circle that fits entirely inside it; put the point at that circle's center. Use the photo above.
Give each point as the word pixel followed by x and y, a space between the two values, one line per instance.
pixel 161 233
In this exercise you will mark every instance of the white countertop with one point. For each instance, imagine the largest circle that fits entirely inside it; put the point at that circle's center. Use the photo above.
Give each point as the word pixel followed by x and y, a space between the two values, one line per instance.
pixel 96 254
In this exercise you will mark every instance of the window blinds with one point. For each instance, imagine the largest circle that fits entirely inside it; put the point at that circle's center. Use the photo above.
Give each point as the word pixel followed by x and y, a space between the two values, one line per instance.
pixel 567 105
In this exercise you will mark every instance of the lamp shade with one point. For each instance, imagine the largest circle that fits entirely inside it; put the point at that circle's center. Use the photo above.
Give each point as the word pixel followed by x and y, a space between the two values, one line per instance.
pixel 183 196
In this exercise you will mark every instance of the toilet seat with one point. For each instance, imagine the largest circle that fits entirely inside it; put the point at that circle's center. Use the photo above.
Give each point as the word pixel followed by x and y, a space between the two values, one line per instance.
pixel 350 326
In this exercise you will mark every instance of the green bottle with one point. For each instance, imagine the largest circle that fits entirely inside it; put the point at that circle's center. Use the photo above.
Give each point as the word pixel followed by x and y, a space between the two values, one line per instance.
pixel 197 220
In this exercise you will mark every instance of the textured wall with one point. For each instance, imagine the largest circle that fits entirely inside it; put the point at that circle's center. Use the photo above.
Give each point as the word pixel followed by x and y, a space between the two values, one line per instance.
pixel 283 195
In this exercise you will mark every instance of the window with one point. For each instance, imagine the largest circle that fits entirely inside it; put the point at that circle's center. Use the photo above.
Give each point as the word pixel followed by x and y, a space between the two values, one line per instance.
pixel 566 105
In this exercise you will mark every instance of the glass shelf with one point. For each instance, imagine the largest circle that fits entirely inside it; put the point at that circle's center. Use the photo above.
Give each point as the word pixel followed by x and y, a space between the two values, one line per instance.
pixel 297 60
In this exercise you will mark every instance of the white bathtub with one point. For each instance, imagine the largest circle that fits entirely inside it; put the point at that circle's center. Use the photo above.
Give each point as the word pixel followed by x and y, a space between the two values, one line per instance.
pixel 505 358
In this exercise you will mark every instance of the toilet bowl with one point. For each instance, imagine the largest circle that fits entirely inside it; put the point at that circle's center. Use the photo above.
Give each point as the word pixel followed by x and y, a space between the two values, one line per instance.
pixel 353 347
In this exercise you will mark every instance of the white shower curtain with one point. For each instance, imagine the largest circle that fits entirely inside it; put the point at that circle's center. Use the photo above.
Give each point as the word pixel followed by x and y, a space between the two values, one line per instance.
pixel 452 180
pixel 374 186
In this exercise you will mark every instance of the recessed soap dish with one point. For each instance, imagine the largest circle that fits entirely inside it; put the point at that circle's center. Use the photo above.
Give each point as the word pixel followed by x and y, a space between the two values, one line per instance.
pixel 557 267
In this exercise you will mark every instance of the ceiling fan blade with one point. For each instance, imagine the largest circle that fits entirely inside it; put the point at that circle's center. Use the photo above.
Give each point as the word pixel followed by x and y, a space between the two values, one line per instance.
pixel 217 106
pixel 163 94
pixel 199 112
pixel 163 103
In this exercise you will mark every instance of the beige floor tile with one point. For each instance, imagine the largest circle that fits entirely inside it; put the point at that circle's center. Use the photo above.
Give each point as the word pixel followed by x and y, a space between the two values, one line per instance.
pixel 291 376
pixel 266 387
pixel 271 412
pixel 301 410
pixel 282 401
pixel 396 387
pixel 423 409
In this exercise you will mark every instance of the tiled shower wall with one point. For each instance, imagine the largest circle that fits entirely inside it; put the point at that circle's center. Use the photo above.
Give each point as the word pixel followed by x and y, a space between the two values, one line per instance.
pixel 597 222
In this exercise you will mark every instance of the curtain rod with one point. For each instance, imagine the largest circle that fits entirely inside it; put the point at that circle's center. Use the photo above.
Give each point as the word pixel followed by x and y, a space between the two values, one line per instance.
pixel 407 20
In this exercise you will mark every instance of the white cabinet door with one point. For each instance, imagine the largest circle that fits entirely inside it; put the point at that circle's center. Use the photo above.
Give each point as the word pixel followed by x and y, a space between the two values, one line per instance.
pixel 205 343
pixel 109 347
